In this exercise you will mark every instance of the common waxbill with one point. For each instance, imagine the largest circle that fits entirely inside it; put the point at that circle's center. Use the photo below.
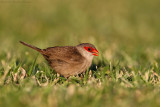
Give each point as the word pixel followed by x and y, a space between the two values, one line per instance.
pixel 68 60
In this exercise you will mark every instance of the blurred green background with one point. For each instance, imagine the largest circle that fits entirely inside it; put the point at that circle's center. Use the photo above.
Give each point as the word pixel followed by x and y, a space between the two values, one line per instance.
pixel 128 24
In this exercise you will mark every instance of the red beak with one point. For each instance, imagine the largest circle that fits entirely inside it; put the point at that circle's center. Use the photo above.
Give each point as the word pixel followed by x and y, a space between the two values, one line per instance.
pixel 95 52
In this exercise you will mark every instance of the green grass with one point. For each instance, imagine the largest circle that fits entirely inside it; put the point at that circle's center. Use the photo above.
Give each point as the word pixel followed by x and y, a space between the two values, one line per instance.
pixel 126 33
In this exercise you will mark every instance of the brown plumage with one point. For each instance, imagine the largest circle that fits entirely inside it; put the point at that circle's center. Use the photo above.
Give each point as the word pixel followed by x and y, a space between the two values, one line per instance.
pixel 68 60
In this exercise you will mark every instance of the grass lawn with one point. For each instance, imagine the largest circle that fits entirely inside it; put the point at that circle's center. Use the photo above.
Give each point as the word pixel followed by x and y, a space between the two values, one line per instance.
pixel 125 74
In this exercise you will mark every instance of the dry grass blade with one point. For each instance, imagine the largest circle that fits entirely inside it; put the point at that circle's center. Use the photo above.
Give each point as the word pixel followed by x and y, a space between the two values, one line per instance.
pixel 20 75
pixel 23 73
pixel 43 84
pixel 6 70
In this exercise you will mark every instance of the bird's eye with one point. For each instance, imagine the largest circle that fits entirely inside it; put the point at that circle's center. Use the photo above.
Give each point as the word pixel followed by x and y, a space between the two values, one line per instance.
pixel 89 49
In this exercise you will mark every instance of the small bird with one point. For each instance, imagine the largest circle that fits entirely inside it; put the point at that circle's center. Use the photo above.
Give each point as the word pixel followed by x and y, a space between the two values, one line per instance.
pixel 68 60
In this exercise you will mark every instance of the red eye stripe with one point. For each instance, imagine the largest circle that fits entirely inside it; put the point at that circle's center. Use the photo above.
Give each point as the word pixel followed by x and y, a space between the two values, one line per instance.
pixel 89 49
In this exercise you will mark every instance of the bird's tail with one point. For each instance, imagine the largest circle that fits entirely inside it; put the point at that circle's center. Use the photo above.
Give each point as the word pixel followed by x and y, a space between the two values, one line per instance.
pixel 33 47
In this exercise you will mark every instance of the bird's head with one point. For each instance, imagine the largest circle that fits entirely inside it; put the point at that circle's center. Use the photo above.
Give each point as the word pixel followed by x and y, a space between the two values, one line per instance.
pixel 87 50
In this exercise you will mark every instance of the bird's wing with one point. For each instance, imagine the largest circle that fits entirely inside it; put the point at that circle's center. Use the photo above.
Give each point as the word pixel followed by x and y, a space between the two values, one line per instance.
pixel 63 55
